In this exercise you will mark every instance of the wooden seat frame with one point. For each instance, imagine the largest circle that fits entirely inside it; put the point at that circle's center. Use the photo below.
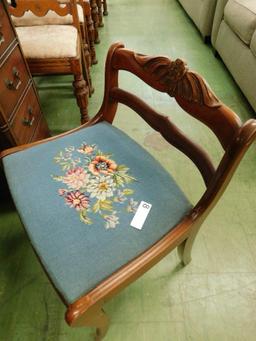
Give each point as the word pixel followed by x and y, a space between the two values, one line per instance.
pixel 69 65
pixel 195 97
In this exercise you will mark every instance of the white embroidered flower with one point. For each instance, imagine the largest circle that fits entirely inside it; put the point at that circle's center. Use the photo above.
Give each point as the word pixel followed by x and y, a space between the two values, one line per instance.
pixel 120 197
pixel 101 187
pixel 76 178
pixel 111 220
pixel 132 206
pixel 86 149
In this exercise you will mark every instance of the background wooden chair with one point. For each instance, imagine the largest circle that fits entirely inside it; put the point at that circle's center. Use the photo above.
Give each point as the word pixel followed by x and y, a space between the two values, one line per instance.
pixel 79 213
pixel 55 49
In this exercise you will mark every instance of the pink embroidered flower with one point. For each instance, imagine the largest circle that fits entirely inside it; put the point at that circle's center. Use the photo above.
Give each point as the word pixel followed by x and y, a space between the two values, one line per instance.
pixel 77 200
pixel 102 165
pixel 86 149
pixel 76 178
pixel 62 191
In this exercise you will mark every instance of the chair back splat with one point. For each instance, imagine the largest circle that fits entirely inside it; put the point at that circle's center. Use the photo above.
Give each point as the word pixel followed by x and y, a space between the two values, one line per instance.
pixel 104 261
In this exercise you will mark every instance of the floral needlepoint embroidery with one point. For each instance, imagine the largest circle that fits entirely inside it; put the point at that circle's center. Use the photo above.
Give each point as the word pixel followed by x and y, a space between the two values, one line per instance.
pixel 95 184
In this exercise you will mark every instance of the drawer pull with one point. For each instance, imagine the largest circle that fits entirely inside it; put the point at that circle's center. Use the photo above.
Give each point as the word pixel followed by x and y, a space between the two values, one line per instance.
pixel 16 82
pixel 1 38
pixel 28 121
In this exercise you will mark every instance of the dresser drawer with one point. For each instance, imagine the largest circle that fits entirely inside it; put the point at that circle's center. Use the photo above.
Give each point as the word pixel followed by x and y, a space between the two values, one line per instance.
pixel 26 119
pixel 14 78
pixel 6 32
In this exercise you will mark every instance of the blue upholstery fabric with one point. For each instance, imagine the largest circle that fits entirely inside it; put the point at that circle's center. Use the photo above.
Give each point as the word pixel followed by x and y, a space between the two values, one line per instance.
pixel 76 255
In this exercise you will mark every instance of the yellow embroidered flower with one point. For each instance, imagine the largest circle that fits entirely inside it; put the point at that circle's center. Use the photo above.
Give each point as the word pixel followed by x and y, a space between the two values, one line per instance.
pixel 101 187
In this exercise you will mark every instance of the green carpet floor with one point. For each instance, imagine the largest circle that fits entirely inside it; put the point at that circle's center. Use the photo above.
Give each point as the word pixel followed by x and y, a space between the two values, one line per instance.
pixel 214 297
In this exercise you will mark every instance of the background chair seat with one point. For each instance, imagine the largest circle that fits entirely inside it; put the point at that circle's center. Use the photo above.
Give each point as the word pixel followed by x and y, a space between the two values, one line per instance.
pixel 80 251
pixel 47 41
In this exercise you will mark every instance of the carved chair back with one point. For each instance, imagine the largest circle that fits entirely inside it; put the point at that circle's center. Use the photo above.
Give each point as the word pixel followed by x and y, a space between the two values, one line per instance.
pixel 41 8
pixel 190 91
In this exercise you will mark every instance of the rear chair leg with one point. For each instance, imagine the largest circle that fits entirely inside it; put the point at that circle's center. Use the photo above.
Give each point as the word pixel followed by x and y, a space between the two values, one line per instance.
pixel 102 325
pixel 184 251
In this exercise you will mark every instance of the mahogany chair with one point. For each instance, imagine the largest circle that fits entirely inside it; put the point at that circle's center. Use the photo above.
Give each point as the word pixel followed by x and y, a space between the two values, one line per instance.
pixel 55 49
pixel 86 30
pixel 88 182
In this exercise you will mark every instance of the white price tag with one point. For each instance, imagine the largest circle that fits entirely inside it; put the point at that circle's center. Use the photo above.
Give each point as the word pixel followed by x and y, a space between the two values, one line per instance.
pixel 141 215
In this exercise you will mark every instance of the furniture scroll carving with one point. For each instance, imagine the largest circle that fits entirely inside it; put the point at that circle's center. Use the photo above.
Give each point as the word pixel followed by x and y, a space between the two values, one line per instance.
pixel 178 79
pixel 40 8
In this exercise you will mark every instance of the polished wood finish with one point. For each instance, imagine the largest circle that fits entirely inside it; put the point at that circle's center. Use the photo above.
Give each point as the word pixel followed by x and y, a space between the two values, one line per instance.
pixel 100 13
pixel 74 65
pixel 95 18
pixel 21 119
pixel 7 34
pixel 199 101
pixel 90 29
pixel 14 80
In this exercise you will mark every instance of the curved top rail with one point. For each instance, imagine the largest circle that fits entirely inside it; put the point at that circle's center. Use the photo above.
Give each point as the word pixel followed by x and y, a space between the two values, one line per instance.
pixel 189 89
pixel 40 8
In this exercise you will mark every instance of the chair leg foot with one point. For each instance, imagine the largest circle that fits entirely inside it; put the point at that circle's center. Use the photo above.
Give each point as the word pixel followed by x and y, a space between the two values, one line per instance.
pixel 103 325
pixel 184 251
pixel 94 317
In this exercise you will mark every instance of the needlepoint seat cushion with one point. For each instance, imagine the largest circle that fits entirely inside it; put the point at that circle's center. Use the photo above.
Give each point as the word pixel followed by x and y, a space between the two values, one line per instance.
pixel 77 196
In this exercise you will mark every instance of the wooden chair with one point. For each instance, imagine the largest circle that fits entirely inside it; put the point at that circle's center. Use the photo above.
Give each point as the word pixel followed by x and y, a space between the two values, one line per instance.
pixel 87 183
pixel 55 49
pixel 86 31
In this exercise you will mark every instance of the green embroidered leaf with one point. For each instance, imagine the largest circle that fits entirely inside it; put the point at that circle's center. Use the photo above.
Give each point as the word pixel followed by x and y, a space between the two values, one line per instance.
pixel 96 206
pixel 122 177
pixel 128 191
pixel 118 180
pixel 57 178
pixel 106 205
pixel 84 218
pixel 122 168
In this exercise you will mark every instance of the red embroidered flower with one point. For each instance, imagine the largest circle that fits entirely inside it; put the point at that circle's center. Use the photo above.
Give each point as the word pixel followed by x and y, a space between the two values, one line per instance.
pixel 77 200
pixel 102 165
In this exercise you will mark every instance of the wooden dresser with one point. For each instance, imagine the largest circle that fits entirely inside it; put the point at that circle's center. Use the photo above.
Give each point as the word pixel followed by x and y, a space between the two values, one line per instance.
pixel 21 119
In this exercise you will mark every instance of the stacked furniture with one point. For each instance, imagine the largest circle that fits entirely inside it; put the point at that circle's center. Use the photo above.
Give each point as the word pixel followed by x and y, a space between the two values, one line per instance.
pixel 234 38
pixel 21 119
pixel 52 48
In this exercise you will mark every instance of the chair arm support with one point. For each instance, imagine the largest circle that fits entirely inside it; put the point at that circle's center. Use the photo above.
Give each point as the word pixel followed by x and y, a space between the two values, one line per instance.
pixel 226 169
